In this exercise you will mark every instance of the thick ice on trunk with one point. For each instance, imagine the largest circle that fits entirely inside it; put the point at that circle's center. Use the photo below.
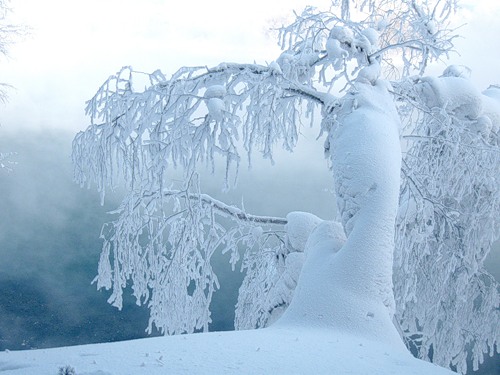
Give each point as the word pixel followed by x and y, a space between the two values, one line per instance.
pixel 350 289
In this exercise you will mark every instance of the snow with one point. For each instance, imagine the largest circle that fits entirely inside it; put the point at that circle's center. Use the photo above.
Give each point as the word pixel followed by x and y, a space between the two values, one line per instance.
pixel 454 91
pixel 369 74
pixel 216 107
pixel 459 95
pixel 350 290
pixel 334 50
pixel 330 232
pixel 431 26
pixel 215 91
pixel 342 34
pixel 275 68
pixel 491 105
pixel 457 71
pixel 283 350
pixel 372 35
pixel 298 228
pixel 340 318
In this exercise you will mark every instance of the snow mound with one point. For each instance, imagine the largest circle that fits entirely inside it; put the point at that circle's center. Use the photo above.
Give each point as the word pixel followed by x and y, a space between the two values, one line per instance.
pixel 330 233
pixel 458 95
pixel 215 91
pixel 457 71
pixel 264 351
pixel 216 107
pixel 298 228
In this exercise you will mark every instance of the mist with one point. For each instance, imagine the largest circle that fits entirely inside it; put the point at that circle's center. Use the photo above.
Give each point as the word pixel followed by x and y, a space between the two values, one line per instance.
pixel 50 246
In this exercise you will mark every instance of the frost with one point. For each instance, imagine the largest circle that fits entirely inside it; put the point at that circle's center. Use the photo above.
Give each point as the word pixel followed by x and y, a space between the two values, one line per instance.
pixel 446 229
pixel 382 24
pixel 257 233
pixel 431 27
pixel 285 62
pixel 215 91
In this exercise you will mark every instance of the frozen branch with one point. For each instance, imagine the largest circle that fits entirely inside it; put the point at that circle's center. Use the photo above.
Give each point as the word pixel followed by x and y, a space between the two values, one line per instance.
pixel 229 211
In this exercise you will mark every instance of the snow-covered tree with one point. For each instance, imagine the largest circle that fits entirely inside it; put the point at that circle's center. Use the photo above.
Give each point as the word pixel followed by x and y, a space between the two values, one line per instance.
pixel 361 66
pixel 8 34
pixel 448 219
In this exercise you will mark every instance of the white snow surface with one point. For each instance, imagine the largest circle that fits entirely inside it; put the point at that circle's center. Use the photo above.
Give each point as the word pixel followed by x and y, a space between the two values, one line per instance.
pixel 350 289
pixel 298 228
pixel 284 350
pixel 328 233
pixel 216 107
pixel 456 94
pixel 215 91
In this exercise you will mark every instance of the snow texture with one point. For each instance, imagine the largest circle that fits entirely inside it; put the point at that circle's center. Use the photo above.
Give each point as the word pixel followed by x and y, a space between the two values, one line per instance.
pixel 298 350
pixel 271 296
pixel 456 94
pixel 298 228
pixel 350 290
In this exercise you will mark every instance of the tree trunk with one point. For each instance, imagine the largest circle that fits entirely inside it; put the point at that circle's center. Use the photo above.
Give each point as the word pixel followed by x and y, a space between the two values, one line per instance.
pixel 351 289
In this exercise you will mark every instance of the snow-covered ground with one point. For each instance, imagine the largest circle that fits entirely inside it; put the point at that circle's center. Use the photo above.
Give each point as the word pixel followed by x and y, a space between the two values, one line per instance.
pixel 283 350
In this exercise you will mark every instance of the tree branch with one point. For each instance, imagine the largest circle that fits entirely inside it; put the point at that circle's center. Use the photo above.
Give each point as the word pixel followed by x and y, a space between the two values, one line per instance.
pixel 227 210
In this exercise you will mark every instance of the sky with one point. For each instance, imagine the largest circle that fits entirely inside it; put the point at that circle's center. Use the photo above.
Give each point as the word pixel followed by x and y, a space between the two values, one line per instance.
pixel 75 45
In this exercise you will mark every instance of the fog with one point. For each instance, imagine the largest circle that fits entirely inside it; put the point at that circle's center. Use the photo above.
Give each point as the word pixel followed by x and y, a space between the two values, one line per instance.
pixel 49 241
pixel 49 246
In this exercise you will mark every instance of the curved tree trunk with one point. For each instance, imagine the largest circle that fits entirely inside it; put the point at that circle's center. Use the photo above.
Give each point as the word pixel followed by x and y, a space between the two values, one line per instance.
pixel 351 289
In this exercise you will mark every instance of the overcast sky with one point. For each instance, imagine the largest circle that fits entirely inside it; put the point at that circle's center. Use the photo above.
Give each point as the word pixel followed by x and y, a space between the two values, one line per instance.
pixel 76 45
